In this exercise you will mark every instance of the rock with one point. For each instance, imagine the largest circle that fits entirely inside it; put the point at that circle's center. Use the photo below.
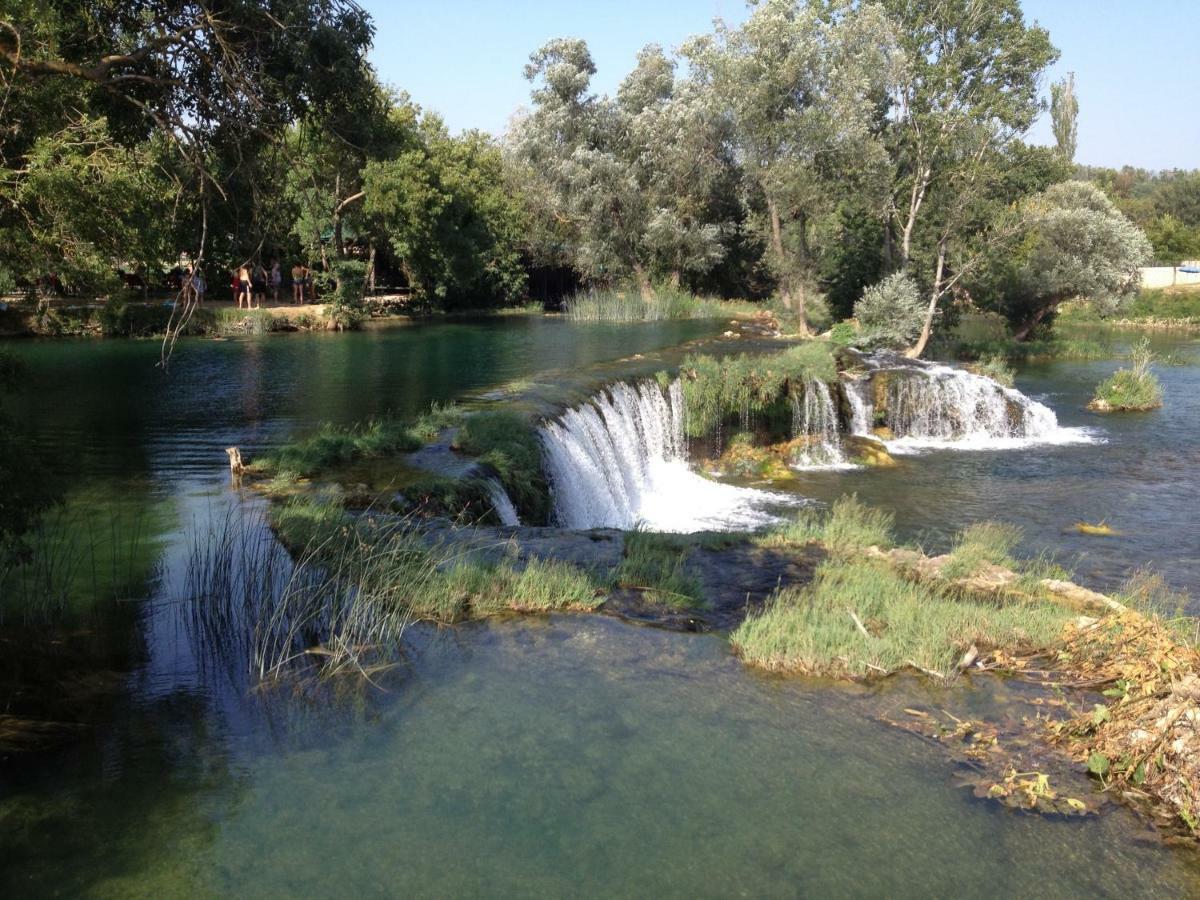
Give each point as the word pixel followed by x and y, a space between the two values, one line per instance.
pixel 867 450
pixel 883 433
pixel 1073 594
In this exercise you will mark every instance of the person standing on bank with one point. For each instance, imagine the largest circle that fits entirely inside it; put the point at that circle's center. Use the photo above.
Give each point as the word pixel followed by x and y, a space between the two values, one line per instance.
pixel 297 284
pixel 243 288
pixel 275 279
pixel 259 280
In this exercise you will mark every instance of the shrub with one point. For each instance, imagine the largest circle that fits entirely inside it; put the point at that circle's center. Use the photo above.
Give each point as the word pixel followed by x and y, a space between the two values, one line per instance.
pixel 890 313
pixel 346 311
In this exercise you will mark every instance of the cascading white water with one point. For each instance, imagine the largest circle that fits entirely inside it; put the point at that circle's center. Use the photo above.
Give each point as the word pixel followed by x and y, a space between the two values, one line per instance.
pixel 862 407
pixel 815 417
pixel 934 405
pixel 502 503
pixel 620 461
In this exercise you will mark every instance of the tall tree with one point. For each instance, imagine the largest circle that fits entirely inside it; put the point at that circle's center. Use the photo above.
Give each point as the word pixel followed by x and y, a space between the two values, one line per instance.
pixel 1064 115
pixel 801 82
pixel 968 91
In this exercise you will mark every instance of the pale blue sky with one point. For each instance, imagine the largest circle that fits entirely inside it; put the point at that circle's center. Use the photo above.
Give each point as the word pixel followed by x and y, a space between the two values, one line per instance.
pixel 1136 64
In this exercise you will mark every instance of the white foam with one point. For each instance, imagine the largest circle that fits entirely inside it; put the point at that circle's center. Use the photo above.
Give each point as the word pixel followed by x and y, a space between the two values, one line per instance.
pixel 620 461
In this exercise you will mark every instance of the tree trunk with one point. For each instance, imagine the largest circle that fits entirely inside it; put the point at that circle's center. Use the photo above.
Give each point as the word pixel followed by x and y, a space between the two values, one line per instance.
pixel 1023 331
pixel 777 248
pixel 920 185
pixel 643 282
pixel 675 279
pixel 369 284
pixel 917 349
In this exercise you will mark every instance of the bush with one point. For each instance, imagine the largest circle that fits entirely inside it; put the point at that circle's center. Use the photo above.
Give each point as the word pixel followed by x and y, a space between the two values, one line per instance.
pixel 890 313
pixel 347 311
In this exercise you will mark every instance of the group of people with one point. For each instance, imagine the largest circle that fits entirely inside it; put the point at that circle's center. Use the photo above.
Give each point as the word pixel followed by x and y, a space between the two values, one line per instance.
pixel 249 285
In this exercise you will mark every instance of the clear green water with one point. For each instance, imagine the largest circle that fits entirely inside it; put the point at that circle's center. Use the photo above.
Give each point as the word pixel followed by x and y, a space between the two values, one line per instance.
pixel 531 757
pixel 561 757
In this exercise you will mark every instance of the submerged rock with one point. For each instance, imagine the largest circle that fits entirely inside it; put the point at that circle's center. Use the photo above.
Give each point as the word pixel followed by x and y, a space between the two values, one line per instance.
pixel 867 450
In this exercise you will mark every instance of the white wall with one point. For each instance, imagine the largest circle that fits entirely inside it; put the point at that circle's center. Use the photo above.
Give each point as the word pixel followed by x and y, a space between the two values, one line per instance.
pixel 1166 276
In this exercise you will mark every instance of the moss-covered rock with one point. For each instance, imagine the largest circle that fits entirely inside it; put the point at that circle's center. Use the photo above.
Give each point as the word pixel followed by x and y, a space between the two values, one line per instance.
pixel 867 450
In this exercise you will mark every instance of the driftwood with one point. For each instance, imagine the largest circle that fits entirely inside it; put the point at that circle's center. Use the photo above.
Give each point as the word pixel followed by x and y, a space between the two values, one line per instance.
pixel 236 466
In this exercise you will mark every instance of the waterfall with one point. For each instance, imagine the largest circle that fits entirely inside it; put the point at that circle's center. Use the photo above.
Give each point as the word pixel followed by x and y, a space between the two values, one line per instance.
pixel 620 461
pixel 862 410
pixel 934 405
pixel 815 417
pixel 502 503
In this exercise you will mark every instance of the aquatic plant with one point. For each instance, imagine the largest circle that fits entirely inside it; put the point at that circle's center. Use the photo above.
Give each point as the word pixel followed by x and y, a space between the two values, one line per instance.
pixel 995 367
pixel 862 618
pixel 656 564
pixel 1135 388
pixel 630 306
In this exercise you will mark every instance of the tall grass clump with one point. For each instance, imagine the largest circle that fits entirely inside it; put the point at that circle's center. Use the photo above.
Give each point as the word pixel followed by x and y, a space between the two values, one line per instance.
pixel 629 306
pixel 862 619
pixel 1135 388
pixel 849 526
pixel 982 544
pixel 341 593
pixel 716 390
pixel 656 564
pixel 509 444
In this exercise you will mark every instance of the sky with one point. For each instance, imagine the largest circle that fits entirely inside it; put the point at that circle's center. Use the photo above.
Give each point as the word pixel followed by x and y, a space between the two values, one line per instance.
pixel 1136 62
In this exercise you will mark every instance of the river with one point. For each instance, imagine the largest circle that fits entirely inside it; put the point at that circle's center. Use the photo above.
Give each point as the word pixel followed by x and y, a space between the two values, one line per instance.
pixel 568 755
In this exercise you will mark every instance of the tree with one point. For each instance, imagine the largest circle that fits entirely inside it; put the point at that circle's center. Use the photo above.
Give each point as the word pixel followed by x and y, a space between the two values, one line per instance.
pixel 801 83
pixel 967 92
pixel 444 210
pixel 1074 243
pixel 1064 115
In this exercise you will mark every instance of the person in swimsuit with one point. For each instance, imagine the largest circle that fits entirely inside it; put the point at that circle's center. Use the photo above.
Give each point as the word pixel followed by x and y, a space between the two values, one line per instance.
pixel 297 284
pixel 243 277
pixel 274 280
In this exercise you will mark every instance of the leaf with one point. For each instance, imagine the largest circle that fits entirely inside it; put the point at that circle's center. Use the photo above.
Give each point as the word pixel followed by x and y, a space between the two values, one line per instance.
pixel 1098 764
pixel 1076 804
pixel 1139 774
pixel 1100 714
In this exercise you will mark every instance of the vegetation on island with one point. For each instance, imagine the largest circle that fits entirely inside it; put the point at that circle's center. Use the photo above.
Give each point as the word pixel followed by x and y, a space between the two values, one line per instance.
pixel 1133 389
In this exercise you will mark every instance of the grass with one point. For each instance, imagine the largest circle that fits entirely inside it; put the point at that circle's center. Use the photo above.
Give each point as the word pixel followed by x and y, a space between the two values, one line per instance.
pixel 980 545
pixel 331 445
pixel 345 589
pixel 737 388
pixel 656 564
pixel 1163 305
pixel 1135 388
pixel 997 368
pixel 860 618
pixel 846 528
pixel 508 443
pixel 667 303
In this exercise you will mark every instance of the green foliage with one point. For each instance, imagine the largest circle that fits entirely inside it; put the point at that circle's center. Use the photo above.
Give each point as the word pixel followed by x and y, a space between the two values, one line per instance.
pixel 346 310
pixel 1135 388
pixel 890 313
pixel 1064 115
pixel 995 366
pixel 449 218
pixel 1075 243
pixel 656 564
pixel 464 500
pixel 813 629
pixel 508 443
pixel 716 389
